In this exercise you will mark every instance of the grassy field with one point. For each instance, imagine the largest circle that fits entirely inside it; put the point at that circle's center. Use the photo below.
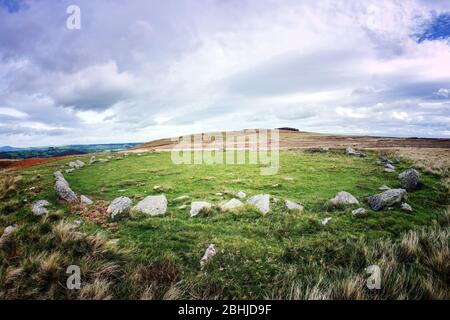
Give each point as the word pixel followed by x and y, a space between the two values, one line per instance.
pixel 284 254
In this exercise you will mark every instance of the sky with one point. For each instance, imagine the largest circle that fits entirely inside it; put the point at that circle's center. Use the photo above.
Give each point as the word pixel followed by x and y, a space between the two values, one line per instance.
pixel 141 70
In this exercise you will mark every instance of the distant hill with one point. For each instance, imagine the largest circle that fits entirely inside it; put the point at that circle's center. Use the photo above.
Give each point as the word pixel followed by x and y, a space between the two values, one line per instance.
pixel 8 152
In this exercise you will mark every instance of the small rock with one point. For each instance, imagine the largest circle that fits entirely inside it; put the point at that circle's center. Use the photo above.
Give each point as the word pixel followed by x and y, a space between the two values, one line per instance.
pixel 276 185
pixel 92 160
pixel 198 206
pixel 288 178
pixel 209 253
pixel 80 163
pixel 261 202
pixel 101 160
pixel 409 179
pixel 386 199
pixel 182 207
pixel 389 166
pixel 231 205
pixel 182 198
pixel 389 170
pixel 68 170
pixel 352 152
pixel 360 212
pixel 293 206
pixel 241 195
pixel 343 199
pixel 325 221
pixel 406 207
pixel 219 194
pixel 152 205
pixel 63 190
pixel 384 188
pixel 86 200
pixel 118 206
pixel 38 208
pixel 75 224
pixel 9 229
pixel 157 188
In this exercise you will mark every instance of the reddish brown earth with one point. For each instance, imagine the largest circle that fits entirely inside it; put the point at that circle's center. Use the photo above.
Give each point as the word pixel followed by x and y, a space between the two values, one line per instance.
pixel 21 164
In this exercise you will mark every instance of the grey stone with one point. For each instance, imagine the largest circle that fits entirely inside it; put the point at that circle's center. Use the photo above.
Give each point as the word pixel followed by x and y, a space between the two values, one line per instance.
pixel 406 207
pixel 231 205
pixel 343 198
pixel 325 220
pixel 241 195
pixel 293 206
pixel 384 188
pixel 152 205
pixel 92 160
pixel 389 170
pixel 182 198
pixel 352 152
pixel 80 163
pixel 86 200
pixel 118 206
pixel 209 254
pixel 386 199
pixel 360 212
pixel 261 202
pixel 198 206
pixel 389 166
pixel 68 171
pixel 409 179
pixel 63 190
pixel 38 208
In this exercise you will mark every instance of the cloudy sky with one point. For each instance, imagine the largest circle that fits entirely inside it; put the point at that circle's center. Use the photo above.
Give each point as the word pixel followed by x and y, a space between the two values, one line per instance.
pixel 140 70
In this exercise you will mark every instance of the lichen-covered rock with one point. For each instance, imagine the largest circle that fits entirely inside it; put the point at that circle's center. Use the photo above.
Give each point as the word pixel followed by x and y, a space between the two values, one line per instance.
pixel 386 199
pixel 409 179
pixel 198 206
pixel 342 199
pixel 63 190
pixel 38 208
pixel 231 205
pixel 118 206
pixel 360 212
pixel 261 202
pixel 209 254
pixel 293 206
pixel 86 200
pixel 152 205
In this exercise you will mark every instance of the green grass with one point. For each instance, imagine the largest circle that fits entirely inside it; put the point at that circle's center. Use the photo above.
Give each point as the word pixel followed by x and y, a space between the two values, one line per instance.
pixel 257 253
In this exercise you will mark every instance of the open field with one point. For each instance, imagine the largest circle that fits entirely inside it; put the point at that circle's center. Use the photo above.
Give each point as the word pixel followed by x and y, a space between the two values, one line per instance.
pixel 285 254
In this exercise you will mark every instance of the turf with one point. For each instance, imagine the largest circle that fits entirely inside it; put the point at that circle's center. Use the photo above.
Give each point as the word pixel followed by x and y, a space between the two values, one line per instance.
pixel 255 250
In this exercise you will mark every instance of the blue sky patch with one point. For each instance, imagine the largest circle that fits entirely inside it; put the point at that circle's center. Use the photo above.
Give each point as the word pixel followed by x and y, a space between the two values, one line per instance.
pixel 11 5
pixel 437 29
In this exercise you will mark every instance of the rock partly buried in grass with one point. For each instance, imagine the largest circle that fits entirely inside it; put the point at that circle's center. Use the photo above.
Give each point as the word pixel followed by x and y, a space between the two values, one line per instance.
pixel 68 171
pixel 80 163
pixel 386 199
pixel 341 200
pixel 182 198
pixel 209 254
pixel 389 170
pixel 152 205
pixel 384 188
pixel 73 164
pixel 325 221
pixel 241 195
pixel 63 190
pixel 406 207
pixel 38 208
pixel 360 212
pixel 92 160
pixel 231 205
pixel 291 205
pixel 261 202
pixel 86 200
pixel 198 206
pixel 352 152
pixel 7 232
pixel 118 206
pixel 409 179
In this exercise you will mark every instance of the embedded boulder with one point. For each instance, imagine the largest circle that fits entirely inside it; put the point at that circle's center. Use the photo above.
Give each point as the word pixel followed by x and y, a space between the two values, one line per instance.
pixel 38 208
pixel 293 206
pixel 231 205
pixel 198 206
pixel 209 254
pixel 63 190
pixel 342 199
pixel 118 206
pixel 386 199
pixel 409 179
pixel 152 205
pixel 261 202
pixel 86 200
